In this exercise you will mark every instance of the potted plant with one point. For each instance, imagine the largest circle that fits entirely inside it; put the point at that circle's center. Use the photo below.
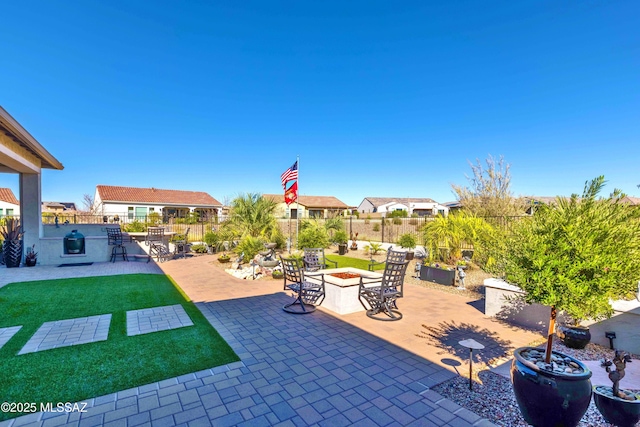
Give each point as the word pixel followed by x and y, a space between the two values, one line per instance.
pixel 12 245
pixel 618 407
pixel 435 273
pixel 31 258
pixel 277 274
pixel 224 258
pixel 574 256
pixel 408 241
pixel 340 238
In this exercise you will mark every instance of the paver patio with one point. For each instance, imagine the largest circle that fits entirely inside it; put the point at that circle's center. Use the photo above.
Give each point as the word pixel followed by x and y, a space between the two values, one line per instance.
pixel 317 369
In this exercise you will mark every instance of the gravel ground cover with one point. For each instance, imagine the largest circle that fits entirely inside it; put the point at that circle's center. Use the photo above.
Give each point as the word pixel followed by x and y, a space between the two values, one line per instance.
pixel 493 398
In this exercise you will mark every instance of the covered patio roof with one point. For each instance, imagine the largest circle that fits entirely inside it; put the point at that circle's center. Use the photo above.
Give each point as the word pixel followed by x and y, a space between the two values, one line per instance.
pixel 19 151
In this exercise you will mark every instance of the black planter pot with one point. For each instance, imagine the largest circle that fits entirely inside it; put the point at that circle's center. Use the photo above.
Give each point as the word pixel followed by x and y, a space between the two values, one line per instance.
pixel 619 412
pixel 30 262
pixel 438 275
pixel 12 253
pixel 549 398
pixel 409 255
pixel 574 336
pixel 342 249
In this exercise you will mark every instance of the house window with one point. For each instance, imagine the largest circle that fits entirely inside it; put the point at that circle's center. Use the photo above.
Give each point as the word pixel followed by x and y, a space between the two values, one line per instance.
pixel 130 212
pixel 141 214
pixel 151 210
pixel 316 213
pixel 0 211
pixel 9 212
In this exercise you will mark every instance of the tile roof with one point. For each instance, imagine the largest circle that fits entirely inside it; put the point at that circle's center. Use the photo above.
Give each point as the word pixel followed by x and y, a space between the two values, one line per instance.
pixel 379 201
pixel 6 195
pixel 109 193
pixel 313 201
pixel 631 200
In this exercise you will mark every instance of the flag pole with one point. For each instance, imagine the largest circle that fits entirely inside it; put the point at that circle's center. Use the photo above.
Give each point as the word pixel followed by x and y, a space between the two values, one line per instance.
pixel 298 198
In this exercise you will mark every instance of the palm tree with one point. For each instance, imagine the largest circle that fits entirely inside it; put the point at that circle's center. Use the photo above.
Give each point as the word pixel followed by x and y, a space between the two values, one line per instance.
pixel 253 215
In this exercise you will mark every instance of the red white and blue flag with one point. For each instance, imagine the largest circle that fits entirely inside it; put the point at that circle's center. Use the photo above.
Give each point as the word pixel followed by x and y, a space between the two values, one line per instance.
pixel 290 174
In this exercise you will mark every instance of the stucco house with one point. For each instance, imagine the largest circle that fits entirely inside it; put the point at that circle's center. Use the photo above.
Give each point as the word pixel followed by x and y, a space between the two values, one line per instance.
pixel 9 205
pixel 58 207
pixel 385 205
pixel 129 203
pixel 309 207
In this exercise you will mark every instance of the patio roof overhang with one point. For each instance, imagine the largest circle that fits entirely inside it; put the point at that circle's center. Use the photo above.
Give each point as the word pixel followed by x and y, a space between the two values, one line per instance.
pixel 19 151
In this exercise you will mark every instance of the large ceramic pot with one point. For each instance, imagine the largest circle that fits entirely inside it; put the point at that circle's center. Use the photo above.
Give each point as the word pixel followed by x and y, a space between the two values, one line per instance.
pixel 12 253
pixel 342 248
pixel 549 398
pixel 574 336
pixel 617 411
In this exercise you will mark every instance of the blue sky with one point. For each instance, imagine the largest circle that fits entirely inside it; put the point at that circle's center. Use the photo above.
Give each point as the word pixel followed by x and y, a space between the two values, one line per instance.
pixel 377 98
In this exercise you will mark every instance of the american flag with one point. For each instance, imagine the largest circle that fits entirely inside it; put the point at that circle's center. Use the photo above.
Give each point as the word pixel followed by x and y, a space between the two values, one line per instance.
pixel 289 175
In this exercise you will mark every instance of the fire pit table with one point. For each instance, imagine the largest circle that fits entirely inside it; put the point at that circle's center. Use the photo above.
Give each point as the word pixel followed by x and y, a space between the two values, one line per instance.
pixel 341 288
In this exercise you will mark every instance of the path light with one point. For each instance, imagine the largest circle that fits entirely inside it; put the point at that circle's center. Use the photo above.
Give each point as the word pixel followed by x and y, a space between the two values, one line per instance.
pixel 471 344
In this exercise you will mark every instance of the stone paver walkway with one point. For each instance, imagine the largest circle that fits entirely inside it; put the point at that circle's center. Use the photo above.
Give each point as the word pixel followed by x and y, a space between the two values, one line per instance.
pixel 156 319
pixel 63 333
pixel 318 369
pixel 7 333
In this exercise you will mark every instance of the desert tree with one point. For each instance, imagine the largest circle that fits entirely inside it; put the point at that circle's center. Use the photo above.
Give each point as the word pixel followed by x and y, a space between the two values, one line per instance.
pixel 489 191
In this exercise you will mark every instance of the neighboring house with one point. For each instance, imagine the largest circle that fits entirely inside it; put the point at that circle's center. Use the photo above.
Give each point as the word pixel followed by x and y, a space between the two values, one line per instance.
pixel 309 207
pixel 9 205
pixel 136 203
pixel 453 206
pixel 385 205
pixel 633 201
pixel 58 207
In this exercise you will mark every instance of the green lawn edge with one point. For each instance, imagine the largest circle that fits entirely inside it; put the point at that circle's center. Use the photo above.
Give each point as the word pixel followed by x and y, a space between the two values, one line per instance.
pixel 76 373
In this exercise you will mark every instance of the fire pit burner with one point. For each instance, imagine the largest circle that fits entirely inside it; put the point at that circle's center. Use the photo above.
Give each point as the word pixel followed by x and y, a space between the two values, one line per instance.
pixel 345 276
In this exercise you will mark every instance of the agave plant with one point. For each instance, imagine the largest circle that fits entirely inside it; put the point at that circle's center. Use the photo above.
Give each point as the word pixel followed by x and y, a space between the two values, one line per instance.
pixel 11 230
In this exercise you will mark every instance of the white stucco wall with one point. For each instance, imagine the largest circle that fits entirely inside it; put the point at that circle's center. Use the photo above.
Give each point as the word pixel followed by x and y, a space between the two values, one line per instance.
pixel 501 302
pixel 4 206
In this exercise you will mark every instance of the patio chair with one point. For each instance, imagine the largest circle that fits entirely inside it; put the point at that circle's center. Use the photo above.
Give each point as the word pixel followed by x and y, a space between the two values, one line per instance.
pixel 155 240
pixel 315 260
pixel 180 242
pixel 381 293
pixel 115 239
pixel 309 293
pixel 393 256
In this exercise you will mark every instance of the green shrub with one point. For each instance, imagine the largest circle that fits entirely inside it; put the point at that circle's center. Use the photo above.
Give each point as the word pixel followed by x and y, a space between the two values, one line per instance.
pixel 313 236
pixel 374 248
pixel 199 249
pixel 135 226
pixel 376 227
pixel 407 240
pixel 250 246
pixel 340 237
pixel 397 214
pixel 212 239
pixel 397 221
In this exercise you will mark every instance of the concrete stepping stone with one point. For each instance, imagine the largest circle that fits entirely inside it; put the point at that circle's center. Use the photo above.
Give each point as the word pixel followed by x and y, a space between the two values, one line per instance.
pixel 157 319
pixel 64 333
pixel 7 333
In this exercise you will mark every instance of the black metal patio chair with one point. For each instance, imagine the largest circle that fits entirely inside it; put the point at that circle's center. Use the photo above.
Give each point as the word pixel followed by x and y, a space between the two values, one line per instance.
pixel 393 256
pixel 116 239
pixel 381 293
pixel 155 240
pixel 309 293
pixel 314 259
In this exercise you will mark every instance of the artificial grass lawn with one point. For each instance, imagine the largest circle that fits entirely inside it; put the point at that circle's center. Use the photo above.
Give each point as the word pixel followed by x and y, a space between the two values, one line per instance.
pixel 344 261
pixel 74 373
